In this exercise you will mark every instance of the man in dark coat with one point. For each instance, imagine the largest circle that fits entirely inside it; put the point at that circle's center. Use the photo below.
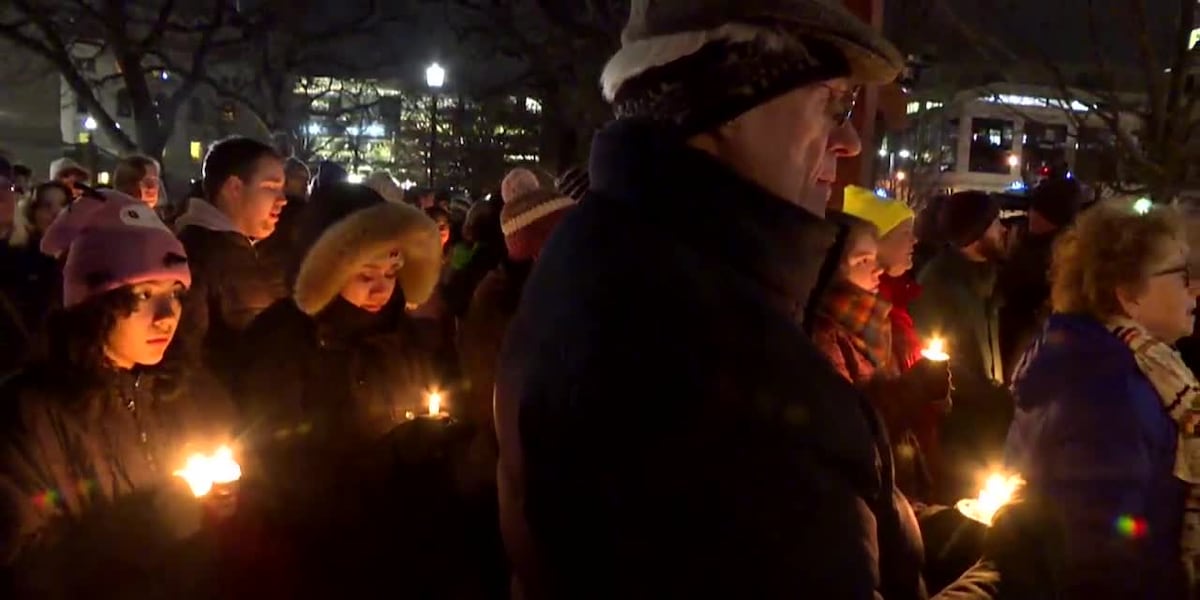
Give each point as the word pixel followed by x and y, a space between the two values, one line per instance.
pixel 959 303
pixel 1024 281
pixel 667 428
pixel 233 280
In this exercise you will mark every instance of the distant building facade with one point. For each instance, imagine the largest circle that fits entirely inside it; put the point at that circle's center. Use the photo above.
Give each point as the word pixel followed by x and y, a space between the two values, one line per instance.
pixel 996 138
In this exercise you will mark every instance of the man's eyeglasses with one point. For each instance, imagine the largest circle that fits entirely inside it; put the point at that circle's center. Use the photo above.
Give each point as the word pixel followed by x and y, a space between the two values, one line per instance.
pixel 1185 270
pixel 841 103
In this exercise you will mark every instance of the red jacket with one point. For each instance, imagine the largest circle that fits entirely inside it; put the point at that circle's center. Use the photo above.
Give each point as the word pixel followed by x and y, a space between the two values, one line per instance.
pixel 900 291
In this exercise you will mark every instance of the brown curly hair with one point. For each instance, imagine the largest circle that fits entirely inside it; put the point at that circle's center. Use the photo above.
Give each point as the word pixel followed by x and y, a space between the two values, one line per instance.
pixel 1110 246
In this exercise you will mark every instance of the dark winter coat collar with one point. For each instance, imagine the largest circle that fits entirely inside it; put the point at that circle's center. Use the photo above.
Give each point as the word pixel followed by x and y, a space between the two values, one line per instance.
pixel 695 197
pixel 979 277
pixel 341 323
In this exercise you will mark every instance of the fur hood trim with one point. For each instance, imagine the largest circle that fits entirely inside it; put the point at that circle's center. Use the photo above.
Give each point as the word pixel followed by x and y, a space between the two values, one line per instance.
pixel 359 237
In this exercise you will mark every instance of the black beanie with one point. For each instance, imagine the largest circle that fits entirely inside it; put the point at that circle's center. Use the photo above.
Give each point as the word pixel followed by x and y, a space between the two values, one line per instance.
pixel 966 216
pixel 1057 200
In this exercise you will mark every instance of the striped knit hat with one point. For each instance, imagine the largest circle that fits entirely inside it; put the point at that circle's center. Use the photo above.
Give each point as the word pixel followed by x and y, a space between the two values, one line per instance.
pixel 528 219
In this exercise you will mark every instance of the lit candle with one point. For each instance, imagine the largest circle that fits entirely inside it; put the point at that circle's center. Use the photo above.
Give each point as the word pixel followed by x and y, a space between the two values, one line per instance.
pixel 997 491
pixel 203 471
pixel 936 350
pixel 435 403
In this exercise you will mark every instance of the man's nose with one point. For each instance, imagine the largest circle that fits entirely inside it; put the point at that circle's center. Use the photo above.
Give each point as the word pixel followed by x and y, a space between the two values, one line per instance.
pixel 844 140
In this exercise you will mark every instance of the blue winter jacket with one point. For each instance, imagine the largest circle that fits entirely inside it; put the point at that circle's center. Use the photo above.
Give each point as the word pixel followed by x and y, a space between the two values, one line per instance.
pixel 1092 438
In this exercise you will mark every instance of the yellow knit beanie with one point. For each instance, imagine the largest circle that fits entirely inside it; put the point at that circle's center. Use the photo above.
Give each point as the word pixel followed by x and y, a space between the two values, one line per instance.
pixel 885 213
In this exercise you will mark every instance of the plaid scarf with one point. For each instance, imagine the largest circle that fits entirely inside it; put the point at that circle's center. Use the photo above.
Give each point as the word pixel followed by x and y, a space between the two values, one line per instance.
pixel 1180 393
pixel 864 315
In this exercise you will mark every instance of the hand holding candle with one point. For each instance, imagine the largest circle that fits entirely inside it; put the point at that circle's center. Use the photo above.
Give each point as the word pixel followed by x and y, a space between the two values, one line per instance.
pixel 203 471
pixel 997 491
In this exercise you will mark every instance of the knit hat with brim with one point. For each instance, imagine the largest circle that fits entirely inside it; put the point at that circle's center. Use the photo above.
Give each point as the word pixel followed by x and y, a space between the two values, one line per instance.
pixel 965 217
pixel 528 220
pixel 384 232
pixel 114 242
pixel 885 213
pixel 700 63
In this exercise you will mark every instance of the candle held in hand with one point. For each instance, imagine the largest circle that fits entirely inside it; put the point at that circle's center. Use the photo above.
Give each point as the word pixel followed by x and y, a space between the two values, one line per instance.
pixel 997 491
pixel 435 403
pixel 936 350
pixel 202 471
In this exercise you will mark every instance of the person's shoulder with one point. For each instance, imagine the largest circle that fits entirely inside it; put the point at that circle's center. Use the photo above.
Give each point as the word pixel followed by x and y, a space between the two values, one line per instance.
pixel 28 394
pixel 1077 361
pixel 282 321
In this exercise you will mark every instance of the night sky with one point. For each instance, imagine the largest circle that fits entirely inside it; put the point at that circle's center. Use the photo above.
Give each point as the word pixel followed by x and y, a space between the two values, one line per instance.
pixel 1054 28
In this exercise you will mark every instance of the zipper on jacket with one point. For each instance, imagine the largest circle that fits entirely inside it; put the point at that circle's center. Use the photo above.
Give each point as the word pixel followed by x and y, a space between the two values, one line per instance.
pixel 143 437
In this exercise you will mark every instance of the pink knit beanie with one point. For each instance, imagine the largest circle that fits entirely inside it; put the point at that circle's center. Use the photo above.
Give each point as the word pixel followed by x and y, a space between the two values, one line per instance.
pixel 528 220
pixel 111 241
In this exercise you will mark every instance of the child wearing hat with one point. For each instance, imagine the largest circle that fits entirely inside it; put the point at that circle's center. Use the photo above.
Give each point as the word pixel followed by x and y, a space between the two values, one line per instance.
pixel 86 468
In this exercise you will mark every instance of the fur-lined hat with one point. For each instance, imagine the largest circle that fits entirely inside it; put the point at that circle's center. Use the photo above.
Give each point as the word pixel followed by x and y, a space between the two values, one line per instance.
pixel 389 230
pixel 700 63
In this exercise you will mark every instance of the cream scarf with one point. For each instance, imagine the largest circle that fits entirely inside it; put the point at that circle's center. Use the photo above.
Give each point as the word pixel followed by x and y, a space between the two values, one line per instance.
pixel 1180 393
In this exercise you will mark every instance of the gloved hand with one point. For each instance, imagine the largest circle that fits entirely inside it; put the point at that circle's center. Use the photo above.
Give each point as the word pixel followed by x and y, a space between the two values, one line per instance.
pixel 929 384
pixel 1026 546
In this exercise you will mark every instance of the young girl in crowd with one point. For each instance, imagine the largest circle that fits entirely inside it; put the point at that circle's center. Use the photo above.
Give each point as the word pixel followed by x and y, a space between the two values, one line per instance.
pixel 852 328
pixel 35 215
pixel 333 369
pixel 1106 411
pixel 139 176
pixel 92 431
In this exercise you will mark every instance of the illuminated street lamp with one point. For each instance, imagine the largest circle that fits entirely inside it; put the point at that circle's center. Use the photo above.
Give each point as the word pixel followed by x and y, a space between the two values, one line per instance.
pixel 89 123
pixel 1014 161
pixel 435 78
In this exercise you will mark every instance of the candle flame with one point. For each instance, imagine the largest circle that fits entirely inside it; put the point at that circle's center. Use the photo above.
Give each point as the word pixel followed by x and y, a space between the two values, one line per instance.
pixel 997 491
pixel 936 350
pixel 202 471
pixel 435 403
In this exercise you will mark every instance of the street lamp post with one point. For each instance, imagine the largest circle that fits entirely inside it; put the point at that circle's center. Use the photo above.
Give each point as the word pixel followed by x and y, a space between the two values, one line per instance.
pixel 435 77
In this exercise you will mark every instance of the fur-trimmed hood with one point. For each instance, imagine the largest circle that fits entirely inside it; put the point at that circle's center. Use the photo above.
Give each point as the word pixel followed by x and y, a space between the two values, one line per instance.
pixel 364 234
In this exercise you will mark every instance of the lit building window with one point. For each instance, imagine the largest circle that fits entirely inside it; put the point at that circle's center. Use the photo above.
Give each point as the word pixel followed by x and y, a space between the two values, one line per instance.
pixel 84 137
pixel 1035 101
pixel 533 106
pixel 102 178
pixel 913 108
pixel 197 150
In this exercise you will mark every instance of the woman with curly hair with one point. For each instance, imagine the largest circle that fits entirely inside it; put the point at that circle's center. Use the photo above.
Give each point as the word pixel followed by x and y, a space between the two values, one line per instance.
pixel 1106 410
pixel 93 430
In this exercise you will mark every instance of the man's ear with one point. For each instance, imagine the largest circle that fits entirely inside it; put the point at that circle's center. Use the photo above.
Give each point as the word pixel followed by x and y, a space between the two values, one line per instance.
pixel 233 187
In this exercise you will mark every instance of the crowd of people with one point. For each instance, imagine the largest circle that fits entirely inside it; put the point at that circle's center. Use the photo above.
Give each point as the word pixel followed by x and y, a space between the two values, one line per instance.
pixel 677 372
